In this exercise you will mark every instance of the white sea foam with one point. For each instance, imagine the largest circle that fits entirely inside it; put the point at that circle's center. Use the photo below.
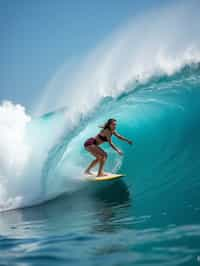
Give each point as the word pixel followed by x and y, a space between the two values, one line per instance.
pixel 14 153
pixel 25 144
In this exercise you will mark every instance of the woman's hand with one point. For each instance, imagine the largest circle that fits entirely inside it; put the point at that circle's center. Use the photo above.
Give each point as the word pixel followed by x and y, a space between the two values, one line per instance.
pixel 129 142
pixel 120 152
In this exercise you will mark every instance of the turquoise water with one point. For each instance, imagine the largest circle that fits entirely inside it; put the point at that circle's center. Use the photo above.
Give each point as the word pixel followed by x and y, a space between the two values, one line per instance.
pixel 150 217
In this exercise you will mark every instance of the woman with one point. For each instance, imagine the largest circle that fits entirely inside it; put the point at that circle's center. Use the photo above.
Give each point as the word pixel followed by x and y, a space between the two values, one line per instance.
pixel 92 146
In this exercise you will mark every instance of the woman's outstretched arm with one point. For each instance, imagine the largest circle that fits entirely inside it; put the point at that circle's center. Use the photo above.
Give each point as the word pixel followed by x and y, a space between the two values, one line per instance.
pixel 122 138
pixel 114 147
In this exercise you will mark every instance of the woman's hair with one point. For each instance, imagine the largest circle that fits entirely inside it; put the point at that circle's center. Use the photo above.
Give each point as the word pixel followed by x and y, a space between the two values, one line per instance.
pixel 107 124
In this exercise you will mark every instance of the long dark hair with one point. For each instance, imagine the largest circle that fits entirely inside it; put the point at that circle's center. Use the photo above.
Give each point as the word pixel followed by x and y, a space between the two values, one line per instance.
pixel 107 124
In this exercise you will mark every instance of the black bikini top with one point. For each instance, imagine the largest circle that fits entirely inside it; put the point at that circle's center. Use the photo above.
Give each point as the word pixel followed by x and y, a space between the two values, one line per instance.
pixel 103 138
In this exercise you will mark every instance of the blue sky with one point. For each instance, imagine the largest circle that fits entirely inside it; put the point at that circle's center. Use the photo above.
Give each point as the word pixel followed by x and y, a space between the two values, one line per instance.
pixel 38 36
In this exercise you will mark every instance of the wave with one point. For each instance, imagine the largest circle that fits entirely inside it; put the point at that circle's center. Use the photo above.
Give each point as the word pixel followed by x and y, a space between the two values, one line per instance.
pixel 147 76
pixel 39 160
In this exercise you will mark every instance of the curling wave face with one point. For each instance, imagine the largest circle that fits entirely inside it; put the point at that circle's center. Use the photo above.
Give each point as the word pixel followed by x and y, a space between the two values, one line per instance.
pixel 160 116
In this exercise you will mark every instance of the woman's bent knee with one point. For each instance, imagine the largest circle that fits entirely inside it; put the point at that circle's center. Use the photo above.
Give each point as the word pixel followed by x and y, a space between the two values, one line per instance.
pixel 101 158
pixel 104 158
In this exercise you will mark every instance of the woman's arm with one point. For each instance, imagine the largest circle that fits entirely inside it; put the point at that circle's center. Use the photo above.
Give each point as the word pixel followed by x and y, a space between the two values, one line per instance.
pixel 114 147
pixel 121 137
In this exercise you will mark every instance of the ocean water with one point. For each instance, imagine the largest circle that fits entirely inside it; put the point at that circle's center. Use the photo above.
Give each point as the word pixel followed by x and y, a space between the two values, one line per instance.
pixel 51 215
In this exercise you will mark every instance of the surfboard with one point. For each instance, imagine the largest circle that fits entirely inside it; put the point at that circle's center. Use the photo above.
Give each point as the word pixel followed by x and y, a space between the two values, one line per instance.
pixel 109 176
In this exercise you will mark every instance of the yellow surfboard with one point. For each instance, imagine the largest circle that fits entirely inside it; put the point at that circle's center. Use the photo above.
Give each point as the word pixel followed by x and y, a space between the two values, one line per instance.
pixel 109 176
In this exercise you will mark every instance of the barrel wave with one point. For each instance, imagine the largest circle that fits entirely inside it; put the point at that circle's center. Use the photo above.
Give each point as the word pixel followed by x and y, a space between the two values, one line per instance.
pixel 160 116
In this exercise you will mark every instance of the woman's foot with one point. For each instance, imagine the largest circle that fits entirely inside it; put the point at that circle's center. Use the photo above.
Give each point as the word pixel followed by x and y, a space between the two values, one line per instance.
pixel 102 174
pixel 88 172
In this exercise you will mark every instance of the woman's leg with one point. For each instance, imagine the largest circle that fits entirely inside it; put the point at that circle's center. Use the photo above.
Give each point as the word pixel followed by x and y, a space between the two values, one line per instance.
pixel 101 166
pixel 101 157
pixel 91 165
pixel 102 161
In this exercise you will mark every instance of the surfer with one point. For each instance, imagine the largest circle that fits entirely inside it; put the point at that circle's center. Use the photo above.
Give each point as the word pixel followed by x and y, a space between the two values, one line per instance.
pixel 92 145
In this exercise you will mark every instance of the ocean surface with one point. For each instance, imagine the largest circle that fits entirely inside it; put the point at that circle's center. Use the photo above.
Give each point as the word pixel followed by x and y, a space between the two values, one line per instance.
pixel 148 78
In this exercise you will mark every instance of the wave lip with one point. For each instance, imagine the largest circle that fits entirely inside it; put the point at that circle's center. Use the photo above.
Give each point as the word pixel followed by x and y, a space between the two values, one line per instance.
pixel 159 41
